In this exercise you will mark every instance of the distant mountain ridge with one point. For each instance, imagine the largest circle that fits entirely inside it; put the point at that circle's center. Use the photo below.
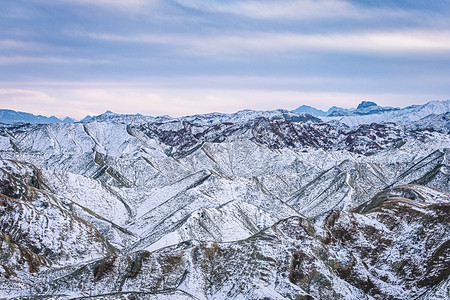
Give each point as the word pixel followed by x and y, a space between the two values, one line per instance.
pixel 369 112
pixel 366 112
pixel 364 108
pixel 9 116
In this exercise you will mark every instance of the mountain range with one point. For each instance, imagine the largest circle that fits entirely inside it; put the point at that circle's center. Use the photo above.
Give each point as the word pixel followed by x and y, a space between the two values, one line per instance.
pixel 367 112
pixel 353 204
pixel 8 116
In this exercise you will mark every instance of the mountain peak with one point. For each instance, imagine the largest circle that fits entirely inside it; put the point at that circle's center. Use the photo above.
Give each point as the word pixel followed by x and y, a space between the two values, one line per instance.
pixel 87 118
pixel 309 110
pixel 366 104
pixel 68 120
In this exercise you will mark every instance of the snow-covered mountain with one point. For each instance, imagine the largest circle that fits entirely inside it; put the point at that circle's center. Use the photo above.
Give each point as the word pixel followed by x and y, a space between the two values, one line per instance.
pixel 8 116
pixel 364 108
pixel 366 113
pixel 251 205
pixel 369 112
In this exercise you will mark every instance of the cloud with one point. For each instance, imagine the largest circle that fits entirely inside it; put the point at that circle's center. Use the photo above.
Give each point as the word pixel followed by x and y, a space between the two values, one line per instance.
pixel 288 9
pixel 11 60
pixel 128 5
pixel 34 101
pixel 410 82
pixel 8 43
pixel 376 42
pixel 26 96
pixel 77 102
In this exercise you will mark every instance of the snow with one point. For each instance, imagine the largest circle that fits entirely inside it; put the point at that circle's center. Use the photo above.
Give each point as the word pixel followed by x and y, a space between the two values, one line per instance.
pixel 405 115
pixel 113 182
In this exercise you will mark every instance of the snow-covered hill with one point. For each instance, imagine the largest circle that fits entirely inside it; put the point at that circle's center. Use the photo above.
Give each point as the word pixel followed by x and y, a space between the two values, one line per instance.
pixel 252 205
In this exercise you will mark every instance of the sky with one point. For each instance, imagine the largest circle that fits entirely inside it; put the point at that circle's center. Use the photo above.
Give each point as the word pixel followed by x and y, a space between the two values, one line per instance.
pixel 182 57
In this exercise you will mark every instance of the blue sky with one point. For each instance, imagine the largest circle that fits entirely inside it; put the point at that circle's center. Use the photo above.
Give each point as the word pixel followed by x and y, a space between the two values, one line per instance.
pixel 180 57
